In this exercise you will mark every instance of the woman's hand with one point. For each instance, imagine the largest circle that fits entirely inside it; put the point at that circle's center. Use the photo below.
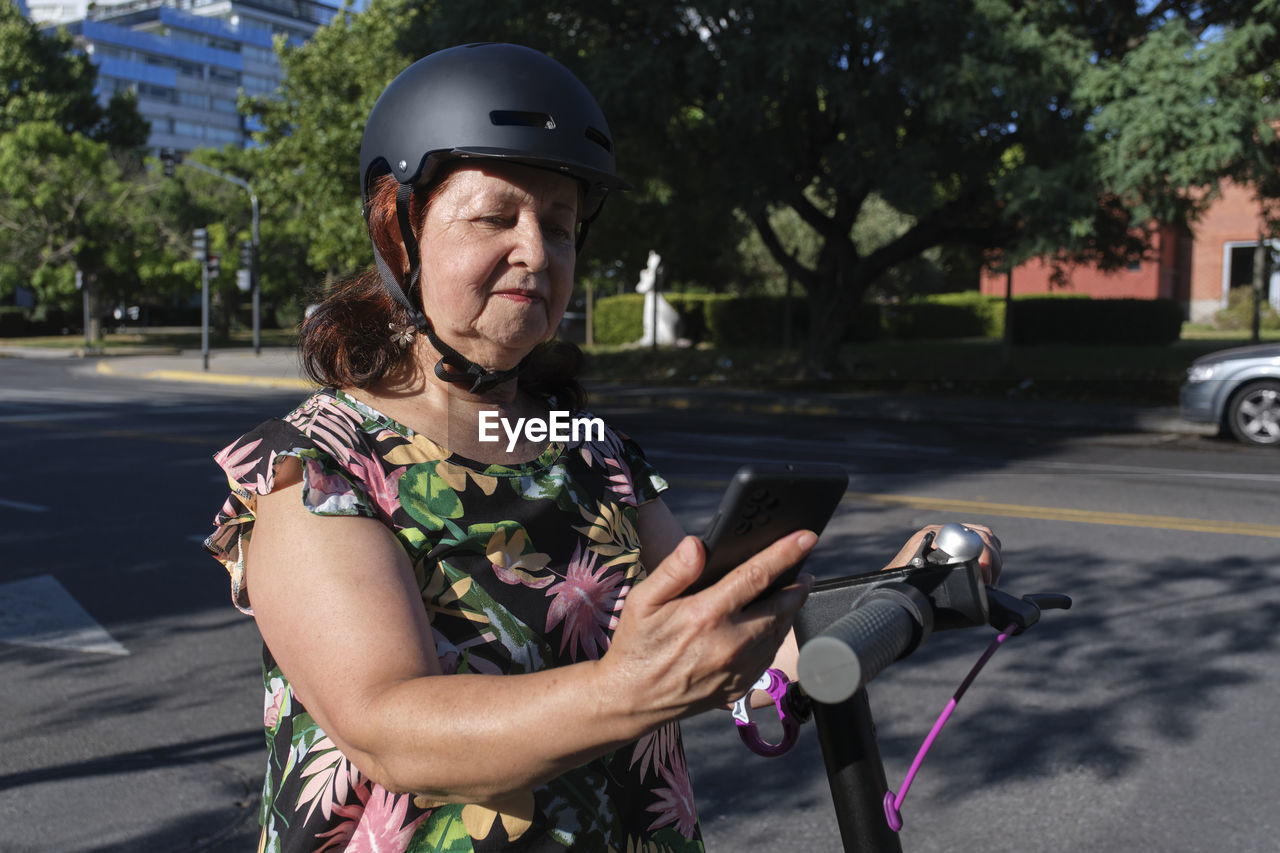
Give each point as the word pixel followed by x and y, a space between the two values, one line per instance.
pixel 683 654
pixel 989 561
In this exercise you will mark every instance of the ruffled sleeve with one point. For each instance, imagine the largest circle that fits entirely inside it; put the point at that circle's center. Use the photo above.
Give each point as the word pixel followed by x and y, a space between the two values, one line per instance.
pixel 645 479
pixel 251 463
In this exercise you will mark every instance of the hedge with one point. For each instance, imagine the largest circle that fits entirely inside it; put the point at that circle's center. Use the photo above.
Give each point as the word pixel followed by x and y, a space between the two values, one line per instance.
pixel 618 319
pixel 19 322
pixel 746 321
pixel 1038 320
pixel 970 316
pixel 723 320
pixel 13 321
pixel 742 321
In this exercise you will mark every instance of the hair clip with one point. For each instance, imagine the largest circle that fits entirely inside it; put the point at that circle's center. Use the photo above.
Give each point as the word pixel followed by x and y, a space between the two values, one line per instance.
pixel 402 334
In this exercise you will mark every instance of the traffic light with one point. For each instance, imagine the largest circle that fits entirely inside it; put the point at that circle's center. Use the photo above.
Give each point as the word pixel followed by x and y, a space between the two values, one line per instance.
pixel 215 266
pixel 169 158
pixel 246 255
pixel 200 244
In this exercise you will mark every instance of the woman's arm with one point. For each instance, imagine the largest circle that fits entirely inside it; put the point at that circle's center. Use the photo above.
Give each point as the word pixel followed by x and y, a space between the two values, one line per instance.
pixel 337 604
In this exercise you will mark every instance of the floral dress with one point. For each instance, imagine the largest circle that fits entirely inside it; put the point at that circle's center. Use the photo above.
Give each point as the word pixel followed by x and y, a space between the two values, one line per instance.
pixel 521 568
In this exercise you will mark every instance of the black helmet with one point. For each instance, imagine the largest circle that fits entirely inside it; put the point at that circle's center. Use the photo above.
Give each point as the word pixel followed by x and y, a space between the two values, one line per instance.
pixel 494 101
pixel 489 101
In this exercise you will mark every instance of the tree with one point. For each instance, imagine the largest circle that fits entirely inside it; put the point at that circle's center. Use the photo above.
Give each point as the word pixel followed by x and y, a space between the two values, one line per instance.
pixel 957 115
pixel 987 123
pixel 68 168
pixel 42 78
pixel 65 205
pixel 308 169
pixel 1193 104
pixel 984 125
pixel 308 166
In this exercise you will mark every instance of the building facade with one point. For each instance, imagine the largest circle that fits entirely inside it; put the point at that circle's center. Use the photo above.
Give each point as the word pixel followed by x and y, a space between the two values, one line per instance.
pixel 189 60
pixel 1199 269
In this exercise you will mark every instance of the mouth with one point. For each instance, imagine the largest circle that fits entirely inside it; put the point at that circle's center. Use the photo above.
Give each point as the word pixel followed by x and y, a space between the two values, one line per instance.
pixel 522 296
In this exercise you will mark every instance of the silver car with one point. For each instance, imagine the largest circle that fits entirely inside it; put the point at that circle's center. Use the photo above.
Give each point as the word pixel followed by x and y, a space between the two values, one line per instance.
pixel 1238 389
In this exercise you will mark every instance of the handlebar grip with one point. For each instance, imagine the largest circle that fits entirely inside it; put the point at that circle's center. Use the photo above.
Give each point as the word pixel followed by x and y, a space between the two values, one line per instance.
pixel 854 649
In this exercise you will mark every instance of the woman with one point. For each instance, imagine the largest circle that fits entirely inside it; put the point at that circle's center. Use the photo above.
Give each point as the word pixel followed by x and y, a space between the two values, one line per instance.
pixel 447 660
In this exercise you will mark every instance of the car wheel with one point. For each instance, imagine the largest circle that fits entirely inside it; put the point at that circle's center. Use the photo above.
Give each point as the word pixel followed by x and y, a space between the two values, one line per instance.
pixel 1254 413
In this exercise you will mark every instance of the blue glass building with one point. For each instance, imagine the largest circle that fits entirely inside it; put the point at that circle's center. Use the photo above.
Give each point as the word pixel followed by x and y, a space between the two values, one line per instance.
pixel 188 60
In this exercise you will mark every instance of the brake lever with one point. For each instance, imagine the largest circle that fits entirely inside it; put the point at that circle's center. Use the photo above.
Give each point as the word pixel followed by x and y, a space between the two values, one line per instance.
pixel 1019 614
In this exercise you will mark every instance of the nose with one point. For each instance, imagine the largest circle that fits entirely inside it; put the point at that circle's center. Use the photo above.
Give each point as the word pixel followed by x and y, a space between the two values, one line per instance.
pixel 530 245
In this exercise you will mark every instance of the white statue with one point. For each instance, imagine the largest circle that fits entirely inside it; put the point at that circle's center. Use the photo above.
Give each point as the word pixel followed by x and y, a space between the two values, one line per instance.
pixel 667 316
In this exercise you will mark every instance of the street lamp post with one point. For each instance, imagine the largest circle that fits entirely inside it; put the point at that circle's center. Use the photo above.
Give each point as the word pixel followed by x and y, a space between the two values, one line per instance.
pixel 200 248
pixel 169 158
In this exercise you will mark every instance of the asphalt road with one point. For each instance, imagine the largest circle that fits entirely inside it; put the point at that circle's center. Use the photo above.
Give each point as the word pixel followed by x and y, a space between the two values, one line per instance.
pixel 1140 720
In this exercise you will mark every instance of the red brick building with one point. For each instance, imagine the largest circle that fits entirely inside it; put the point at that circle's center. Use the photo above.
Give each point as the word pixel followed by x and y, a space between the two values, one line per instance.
pixel 1197 269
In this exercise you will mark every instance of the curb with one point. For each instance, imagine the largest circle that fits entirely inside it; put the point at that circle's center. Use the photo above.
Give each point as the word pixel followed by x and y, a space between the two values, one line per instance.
pixel 165 374
pixel 85 352
pixel 670 400
pixel 869 407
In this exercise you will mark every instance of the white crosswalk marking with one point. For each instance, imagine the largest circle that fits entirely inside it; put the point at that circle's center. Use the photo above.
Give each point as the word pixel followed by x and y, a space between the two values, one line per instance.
pixel 38 611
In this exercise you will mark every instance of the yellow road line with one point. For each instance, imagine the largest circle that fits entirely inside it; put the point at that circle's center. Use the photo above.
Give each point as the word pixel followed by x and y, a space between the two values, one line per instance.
pixel 229 379
pixel 1080 516
pixel 1049 513
pixel 676 400
pixel 213 378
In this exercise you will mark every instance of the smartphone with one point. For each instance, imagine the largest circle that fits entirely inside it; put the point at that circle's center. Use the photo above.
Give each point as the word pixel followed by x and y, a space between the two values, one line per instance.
pixel 765 502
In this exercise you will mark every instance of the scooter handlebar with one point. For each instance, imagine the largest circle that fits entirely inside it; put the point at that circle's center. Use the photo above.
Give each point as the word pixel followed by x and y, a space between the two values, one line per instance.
pixel 888 624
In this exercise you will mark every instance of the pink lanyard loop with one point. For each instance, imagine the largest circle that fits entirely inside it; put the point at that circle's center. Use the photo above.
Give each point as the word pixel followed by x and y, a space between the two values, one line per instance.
pixel 774 682
pixel 893 802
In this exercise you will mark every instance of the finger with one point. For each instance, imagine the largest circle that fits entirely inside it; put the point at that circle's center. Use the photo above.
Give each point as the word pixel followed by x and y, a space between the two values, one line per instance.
pixel 672 577
pixel 990 561
pixel 744 584
pixel 771 619
pixel 909 548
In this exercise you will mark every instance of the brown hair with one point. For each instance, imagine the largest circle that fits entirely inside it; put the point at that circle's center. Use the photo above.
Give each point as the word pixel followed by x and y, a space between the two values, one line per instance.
pixel 346 340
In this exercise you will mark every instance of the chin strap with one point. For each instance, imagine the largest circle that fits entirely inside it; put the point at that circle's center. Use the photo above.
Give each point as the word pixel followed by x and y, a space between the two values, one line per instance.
pixel 453 366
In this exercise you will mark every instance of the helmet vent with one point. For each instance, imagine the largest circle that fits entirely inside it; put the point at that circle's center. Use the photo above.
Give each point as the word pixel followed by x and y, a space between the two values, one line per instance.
pixel 522 118
pixel 599 139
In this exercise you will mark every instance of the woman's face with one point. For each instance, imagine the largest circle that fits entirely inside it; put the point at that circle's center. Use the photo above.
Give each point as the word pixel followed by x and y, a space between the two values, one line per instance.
pixel 497 249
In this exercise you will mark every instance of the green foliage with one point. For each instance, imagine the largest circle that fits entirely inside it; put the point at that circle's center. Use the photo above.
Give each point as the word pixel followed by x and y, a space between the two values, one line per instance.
pixel 1039 320
pixel 942 316
pixel 927 318
pixel 122 126
pixel 1182 109
pixel 942 122
pixel 1238 315
pixel 693 310
pixel 618 319
pixel 46 79
pixel 307 171
pixel 14 322
pixel 67 166
pixel 989 310
pixel 745 321
pixel 862 151
pixel 718 319
pixel 65 201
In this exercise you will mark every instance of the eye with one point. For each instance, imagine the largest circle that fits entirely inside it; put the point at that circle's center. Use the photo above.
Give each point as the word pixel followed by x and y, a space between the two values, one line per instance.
pixel 560 227
pixel 558 231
